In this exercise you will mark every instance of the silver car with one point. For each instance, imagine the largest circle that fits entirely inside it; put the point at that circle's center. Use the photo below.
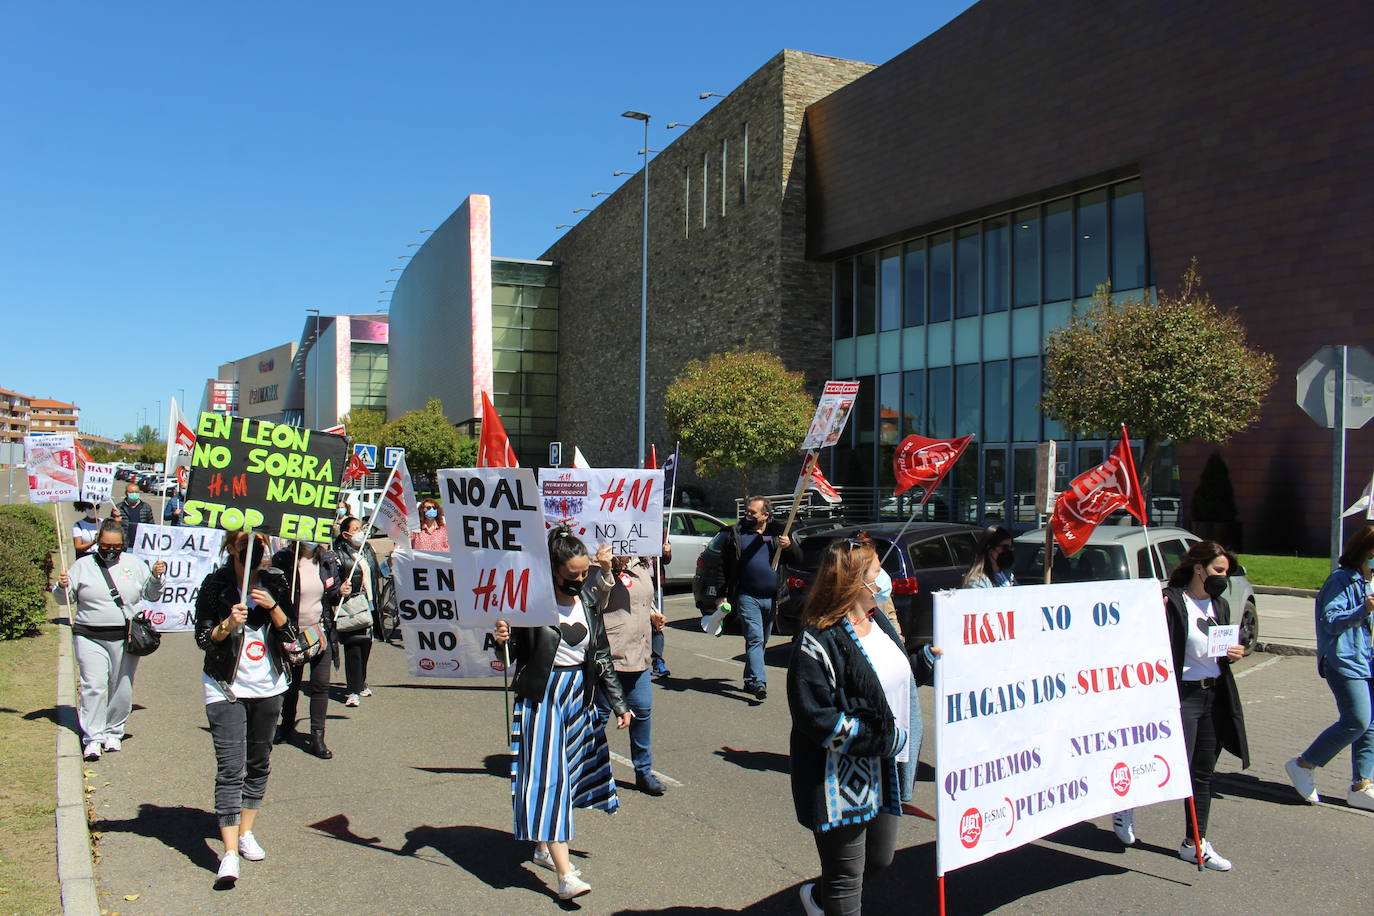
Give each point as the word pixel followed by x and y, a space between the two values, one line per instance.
pixel 689 531
pixel 1118 552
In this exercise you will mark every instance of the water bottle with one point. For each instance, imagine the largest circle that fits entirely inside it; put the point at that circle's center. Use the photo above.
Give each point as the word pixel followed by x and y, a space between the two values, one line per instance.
pixel 714 623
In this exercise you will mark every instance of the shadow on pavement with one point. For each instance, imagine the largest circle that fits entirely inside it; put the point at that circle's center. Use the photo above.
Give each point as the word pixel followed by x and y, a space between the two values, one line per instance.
pixel 187 830
pixel 1243 785
pixel 51 714
pixel 719 686
pixel 494 765
pixel 767 761
pixel 1092 838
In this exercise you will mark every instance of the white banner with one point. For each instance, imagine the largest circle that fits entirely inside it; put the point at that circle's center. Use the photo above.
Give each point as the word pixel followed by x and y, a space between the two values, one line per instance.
pixel 396 515
pixel 428 597
pixel 190 555
pixel 96 482
pixel 50 462
pixel 622 507
pixel 498 545
pixel 1054 704
pixel 832 410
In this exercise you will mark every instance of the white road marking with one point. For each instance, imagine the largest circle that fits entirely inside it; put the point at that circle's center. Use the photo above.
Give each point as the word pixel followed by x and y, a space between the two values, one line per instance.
pixel 625 761
pixel 724 661
pixel 1262 665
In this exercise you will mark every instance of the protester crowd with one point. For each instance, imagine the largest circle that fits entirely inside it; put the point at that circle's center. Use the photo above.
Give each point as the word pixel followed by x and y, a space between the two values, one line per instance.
pixel 312 608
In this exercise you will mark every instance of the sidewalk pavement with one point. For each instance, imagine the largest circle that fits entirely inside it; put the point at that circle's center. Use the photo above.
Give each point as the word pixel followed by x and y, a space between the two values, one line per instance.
pixel 1286 624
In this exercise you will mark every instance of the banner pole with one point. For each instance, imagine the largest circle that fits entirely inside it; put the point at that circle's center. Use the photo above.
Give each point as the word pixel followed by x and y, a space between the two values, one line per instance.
pixel 296 571
pixel 807 465
pixel 505 683
pixel 940 890
pixel 61 549
pixel 371 521
pixel 247 567
pixel 1049 549
pixel 1197 839
pixel 893 546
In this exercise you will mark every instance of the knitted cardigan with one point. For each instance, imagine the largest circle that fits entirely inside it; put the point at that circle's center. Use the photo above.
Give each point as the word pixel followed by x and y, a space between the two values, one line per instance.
pixel 844 742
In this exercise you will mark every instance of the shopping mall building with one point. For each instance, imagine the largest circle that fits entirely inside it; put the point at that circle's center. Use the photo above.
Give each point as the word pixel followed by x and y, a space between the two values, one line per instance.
pixel 924 225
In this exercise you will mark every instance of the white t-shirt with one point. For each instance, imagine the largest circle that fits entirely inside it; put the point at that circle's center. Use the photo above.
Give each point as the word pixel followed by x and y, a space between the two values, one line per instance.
pixel 86 530
pixel 255 678
pixel 572 621
pixel 893 668
pixel 1196 663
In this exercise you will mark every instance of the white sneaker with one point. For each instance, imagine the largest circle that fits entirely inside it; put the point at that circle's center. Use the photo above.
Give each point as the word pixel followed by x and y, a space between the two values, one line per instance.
pixel 1361 798
pixel 92 751
pixel 1303 780
pixel 351 700
pixel 228 871
pixel 113 744
pixel 544 860
pixel 250 848
pixel 1123 822
pixel 367 692
pixel 807 892
pixel 571 885
pixel 1188 853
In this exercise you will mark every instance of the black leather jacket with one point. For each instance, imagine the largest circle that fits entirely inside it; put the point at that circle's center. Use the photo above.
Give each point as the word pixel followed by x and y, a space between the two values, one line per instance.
pixel 330 576
pixel 533 649
pixel 218 594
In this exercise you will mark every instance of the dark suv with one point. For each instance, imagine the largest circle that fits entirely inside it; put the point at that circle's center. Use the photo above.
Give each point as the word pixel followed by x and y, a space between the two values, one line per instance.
pixel 932 556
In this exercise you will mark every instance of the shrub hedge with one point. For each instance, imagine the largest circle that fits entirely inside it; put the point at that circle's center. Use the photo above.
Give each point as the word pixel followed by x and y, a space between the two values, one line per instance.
pixel 37 518
pixel 27 540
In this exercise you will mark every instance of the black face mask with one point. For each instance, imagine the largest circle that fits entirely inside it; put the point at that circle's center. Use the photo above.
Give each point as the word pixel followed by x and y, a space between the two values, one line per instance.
pixel 1214 585
pixel 1005 560
pixel 571 587
pixel 108 555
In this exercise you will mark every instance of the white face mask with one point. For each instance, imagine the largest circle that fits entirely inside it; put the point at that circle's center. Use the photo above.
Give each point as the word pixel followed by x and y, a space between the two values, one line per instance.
pixel 356 539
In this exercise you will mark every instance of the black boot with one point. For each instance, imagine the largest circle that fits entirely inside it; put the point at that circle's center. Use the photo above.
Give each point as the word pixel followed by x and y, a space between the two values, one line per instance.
pixel 285 732
pixel 317 746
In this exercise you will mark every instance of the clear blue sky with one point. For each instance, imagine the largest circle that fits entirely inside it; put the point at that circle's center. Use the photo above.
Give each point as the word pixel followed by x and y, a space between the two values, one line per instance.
pixel 180 181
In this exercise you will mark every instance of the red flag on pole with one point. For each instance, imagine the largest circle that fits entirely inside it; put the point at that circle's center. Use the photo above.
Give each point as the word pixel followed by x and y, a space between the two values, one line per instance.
pixel 922 462
pixel 1096 494
pixel 652 464
pixel 493 449
pixel 822 486
pixel 356 470
pixel 82 455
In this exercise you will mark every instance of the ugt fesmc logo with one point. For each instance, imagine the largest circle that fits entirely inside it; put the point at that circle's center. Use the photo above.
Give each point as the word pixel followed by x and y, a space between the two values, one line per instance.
pixel 426 663
pixel 971 828
pixel 926 462
pixel 1121 779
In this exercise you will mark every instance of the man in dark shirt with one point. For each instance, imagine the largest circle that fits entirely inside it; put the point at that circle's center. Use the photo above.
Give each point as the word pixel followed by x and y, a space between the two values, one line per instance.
pixel 751 583
pixel 131 512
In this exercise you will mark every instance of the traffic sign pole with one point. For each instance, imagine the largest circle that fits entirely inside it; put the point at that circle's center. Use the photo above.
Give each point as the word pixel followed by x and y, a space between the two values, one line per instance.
pixel 1338 457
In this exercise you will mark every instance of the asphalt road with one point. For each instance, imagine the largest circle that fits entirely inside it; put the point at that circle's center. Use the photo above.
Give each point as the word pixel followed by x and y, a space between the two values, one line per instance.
pixel 413 813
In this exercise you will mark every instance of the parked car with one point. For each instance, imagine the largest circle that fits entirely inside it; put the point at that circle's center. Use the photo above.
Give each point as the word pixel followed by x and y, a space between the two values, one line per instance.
pixel 1118 552
pixel 689 531
pixel 931 556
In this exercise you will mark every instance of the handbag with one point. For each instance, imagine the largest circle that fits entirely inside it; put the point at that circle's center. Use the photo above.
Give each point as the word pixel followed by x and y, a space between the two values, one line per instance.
pixel 142 639
pixel 353 615
pixel 310 642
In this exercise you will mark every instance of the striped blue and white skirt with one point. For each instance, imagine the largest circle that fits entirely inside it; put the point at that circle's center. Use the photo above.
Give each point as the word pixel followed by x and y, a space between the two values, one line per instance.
pixel 560 760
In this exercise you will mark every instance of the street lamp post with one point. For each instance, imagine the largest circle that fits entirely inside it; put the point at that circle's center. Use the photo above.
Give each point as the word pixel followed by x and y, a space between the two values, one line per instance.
pixel 158 416
pixel 643 281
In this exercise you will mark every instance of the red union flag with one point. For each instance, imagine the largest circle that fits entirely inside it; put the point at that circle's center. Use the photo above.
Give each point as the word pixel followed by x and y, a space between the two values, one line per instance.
pixel 822 486
pixel 356 470
pixel 922 462
pixel 493 449
pixel 181 444
pixel 1096 494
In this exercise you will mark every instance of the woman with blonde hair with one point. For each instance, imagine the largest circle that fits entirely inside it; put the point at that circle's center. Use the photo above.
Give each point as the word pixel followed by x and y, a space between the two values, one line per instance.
pixel 849 692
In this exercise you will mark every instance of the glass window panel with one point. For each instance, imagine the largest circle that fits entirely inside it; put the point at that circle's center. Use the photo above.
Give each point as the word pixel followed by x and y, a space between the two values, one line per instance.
pixel 939 383
pixel 540 362
pixel 914 347
pixel 1091 256
pixel 996 402
pixel 994 484
pixel 505 316
pixel 844 299
pixel 965 477
pixel 541 384
pixel 543 426
pixel 545 320
pixel 1128 236
pixel 862 418
pixel 913 403
pixel 540 407
pixel 507 383
pixel 1023 487
pixel 914 293
pixel 866 313
pixel 941 277
pixel 1025 240
pixel 890 289
pixel 967 399
pixel 1058 249
pixel 966 270
pixel 889 428
pixel 541 340
pixel 931 553
pixel 996 265
pixel 504 294
pixel 890 351
pixel 505 338
pixel 1025 408
pixel 505 361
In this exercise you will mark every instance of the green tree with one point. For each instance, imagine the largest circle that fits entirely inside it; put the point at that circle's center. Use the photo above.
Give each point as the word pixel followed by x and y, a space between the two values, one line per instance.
pixel 142 436
pixel 738 410
pixel 428 437
pixel 100 454
pixel 1178 369
pixel 364 426
pixel 152 452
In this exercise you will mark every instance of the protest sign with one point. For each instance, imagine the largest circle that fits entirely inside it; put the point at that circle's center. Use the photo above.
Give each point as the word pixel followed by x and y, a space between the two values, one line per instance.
pixel 270 477
pixel 437 644
pixel 1054 704
pixel 497 542
pixel 832 410
pixel 622 507
pixel 1222 637
pixel 190 555
pixel 96 483
pixel 50 462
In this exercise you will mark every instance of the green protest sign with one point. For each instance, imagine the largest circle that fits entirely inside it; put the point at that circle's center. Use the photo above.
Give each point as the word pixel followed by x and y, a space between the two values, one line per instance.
pixel 270 477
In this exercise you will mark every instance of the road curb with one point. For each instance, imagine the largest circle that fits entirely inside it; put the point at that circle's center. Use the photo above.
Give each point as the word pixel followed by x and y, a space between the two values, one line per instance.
pixel 75 867
pixel 1285 590
pixel 1277 648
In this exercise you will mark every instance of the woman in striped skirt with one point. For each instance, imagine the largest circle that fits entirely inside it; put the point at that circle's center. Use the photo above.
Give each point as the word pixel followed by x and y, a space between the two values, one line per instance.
pixel 561 760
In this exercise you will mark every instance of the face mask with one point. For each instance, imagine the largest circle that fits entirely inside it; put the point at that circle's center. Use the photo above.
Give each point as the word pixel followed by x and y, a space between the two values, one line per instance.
pixel 1005 560
pixel 356 539
pixel 431 513
pixel 91 514
pixel 131 497
pixel 571 587
pixel 881 586
pixel 1214 585
pixel 108 555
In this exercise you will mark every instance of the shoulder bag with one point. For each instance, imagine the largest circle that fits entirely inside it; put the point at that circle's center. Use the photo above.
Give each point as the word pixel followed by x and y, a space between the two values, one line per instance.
pixel 142 638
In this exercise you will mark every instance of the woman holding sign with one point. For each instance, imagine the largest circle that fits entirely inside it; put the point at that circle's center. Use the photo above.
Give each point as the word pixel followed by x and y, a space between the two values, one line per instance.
pixel 244 675
pixel 562 760
pixel 316 587
pixel 849 691
pixel 353 619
